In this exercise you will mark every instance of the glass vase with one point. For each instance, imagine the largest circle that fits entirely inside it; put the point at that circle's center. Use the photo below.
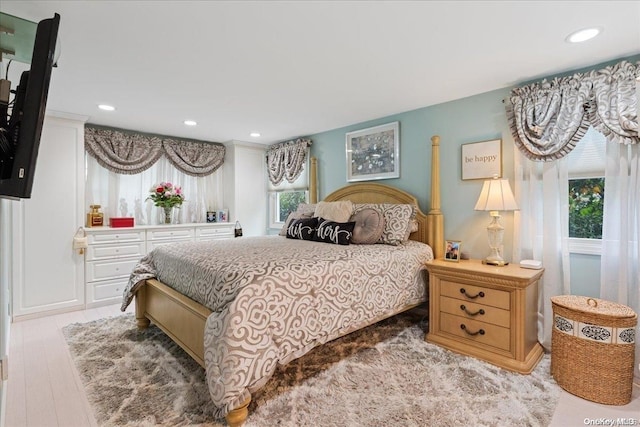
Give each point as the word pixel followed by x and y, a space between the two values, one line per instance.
pixel 167 214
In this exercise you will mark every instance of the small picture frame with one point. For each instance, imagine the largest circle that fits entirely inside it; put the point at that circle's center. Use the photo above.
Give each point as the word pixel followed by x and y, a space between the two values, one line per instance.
pixel 223 215
pixel 212 216
pixel 452 250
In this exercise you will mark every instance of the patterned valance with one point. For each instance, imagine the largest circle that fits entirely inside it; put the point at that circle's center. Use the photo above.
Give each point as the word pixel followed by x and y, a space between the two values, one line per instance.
pixel 548 118
pixel 126 152
pixel 285 160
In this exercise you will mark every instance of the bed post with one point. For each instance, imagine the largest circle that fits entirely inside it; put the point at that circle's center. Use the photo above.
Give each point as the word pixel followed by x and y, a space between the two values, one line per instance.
pixel 435 219
pixel 141 302
pixel 313 181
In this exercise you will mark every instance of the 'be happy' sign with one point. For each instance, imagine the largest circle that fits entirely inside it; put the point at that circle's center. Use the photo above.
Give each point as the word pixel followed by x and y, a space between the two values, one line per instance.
pixel 482 160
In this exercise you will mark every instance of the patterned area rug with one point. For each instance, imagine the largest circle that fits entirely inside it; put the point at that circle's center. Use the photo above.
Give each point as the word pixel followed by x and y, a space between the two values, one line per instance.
pixel 384 375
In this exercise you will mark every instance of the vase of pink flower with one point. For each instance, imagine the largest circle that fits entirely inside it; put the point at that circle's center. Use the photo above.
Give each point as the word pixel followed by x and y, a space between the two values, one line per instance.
pixel 167 196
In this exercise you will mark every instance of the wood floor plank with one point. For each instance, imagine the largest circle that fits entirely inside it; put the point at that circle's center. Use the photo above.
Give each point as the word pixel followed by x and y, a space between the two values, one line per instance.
pixel 16 405
pixel 41 410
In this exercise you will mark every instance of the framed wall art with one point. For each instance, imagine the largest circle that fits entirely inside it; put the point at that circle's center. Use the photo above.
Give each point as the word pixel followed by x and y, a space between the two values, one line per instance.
pixel 482 160
pixel 373 153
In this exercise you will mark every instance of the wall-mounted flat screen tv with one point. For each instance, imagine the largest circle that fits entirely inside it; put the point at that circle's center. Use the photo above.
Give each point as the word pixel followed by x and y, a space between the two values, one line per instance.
pixel 21 119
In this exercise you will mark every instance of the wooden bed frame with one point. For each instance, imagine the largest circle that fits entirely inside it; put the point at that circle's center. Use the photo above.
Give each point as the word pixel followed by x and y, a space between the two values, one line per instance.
pixel 184 320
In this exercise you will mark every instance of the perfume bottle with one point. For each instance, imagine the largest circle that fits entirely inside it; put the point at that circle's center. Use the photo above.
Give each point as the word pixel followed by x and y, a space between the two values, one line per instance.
pixel 95 218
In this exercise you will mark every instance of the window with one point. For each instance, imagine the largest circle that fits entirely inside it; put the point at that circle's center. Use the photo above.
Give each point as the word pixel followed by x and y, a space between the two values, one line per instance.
pixel 586 203
pixel 285 198
pixel 586 193
pixel 288 201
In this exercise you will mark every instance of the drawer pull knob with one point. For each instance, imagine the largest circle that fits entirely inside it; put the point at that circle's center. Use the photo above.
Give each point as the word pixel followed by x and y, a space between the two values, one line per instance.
pixel 479 294
pixel 463 308
pixel 464 328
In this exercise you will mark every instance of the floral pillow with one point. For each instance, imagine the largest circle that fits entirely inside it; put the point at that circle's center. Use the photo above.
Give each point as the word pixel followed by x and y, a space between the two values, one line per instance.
pixel 397 220
pixel 339 233
pixel 303 229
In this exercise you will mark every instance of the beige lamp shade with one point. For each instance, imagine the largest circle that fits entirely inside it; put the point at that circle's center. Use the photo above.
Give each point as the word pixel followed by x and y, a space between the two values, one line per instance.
pixel 496 195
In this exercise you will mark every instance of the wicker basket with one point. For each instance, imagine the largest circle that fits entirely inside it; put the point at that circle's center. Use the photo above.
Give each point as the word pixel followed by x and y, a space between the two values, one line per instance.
pixel 593 348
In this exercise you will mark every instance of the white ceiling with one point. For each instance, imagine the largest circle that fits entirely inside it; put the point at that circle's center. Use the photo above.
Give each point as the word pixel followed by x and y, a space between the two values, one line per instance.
pixel 288 69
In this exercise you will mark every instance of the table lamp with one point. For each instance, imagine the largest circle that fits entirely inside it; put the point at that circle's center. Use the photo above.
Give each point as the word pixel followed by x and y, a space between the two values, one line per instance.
pixel 496 196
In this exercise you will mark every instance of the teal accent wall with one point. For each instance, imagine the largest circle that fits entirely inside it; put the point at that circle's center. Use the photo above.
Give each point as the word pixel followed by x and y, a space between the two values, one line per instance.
pixel 477 118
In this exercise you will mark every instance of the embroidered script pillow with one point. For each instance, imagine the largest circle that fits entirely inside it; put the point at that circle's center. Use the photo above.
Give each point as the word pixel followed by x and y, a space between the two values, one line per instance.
pixel 339 233
pixel 303 228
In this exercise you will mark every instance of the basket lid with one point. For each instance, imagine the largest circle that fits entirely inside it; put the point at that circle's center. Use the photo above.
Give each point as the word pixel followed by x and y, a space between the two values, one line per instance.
pixel 594 306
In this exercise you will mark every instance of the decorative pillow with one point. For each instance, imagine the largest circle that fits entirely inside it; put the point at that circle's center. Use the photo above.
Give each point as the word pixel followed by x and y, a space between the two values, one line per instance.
pixel 303 229
pixel 291 217
pixel 396 220
pixel 335 211
pixel 307 208
pixel 369 226
pixel 334 232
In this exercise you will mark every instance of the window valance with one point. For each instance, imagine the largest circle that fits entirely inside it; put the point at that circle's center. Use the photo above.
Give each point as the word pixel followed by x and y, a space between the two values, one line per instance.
pixel 127 152
pixel 548 118
pixel 285 160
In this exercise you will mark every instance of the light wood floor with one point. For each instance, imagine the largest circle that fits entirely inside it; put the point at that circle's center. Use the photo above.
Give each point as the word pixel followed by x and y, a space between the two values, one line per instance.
pixel 44 388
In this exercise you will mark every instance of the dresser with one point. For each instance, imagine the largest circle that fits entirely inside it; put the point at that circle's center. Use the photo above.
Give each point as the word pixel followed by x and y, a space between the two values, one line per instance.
pixel 112 253
pixel 485 311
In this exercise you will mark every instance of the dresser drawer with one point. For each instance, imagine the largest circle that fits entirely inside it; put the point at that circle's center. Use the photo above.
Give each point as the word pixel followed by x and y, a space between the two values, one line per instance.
pixel 106 290
pixel 133 249
pixel 109 269
pixel 475 331
pixel 473 311
pixel 155 243
pixel 171 234
pixel 214 233
pixel 115 237
pixel 477 294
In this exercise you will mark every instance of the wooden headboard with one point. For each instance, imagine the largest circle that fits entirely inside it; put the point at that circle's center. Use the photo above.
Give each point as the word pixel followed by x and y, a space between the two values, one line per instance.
pixel 430 226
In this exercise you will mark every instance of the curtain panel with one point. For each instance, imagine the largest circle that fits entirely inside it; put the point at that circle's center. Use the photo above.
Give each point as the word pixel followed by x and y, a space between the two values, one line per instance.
pixel 286 160
pixel 129 153
pixel 548 118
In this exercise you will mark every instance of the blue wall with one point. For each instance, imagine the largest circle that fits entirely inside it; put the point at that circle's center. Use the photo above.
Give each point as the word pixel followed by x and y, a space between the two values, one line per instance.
pixel 476 118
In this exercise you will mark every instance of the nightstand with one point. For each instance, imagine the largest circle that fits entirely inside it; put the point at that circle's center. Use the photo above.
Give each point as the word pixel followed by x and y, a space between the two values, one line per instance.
pixel 485 311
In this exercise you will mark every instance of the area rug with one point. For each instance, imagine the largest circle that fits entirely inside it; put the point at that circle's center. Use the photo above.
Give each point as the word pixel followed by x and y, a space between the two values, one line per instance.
pixel 384 375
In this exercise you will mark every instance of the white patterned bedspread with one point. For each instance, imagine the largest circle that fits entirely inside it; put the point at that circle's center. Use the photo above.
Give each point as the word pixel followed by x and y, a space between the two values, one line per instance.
pixel 274 299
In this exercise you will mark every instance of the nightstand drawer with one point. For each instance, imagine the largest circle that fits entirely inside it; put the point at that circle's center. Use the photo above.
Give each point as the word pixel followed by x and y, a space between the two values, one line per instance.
pixel 473 311
pixel 477 294
pixel 473 330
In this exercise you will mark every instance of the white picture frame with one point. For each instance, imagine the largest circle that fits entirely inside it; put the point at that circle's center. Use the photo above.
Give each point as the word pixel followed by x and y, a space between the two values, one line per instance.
pixel 373 153
pixel 482 160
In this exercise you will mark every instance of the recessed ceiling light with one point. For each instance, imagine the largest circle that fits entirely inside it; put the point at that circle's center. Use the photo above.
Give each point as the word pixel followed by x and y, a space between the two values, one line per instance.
pixel 583 35
pixel 106 107
pixel 190 122
pixel 254 134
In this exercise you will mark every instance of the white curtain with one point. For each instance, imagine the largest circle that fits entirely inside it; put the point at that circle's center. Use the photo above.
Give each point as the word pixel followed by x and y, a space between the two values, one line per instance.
pixel 619 268
pixel 541 230
pixel 125 195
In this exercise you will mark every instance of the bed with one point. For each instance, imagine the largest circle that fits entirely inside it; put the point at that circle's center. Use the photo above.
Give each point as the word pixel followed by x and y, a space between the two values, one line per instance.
pixel 268 310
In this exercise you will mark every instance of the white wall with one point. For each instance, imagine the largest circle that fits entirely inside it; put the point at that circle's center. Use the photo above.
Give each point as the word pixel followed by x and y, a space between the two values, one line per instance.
pixel 5 274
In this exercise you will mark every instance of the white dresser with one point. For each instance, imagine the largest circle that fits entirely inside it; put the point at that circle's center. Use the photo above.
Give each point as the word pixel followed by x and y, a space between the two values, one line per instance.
pixel 113 253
